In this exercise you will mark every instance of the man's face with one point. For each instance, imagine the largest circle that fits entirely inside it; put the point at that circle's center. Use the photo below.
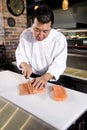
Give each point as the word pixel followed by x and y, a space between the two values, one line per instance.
pixel 40 31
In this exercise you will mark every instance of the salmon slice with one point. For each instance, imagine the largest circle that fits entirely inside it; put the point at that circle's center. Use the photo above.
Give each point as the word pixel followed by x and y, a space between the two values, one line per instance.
pixel 38 90
pixel 59 93
pixel 29 87
pixel 24 89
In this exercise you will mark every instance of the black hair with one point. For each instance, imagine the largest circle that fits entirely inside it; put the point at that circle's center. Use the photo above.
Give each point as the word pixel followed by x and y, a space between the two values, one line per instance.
pixel 43 14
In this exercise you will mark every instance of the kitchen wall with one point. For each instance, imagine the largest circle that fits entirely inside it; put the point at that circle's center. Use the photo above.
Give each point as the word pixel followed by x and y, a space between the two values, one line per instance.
pixel 77 13
pixel 9 34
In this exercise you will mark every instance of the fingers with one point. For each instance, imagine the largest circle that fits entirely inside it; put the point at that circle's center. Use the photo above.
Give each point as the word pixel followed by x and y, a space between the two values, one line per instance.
pixel 26 70
pixel 26 74
pixel 38 83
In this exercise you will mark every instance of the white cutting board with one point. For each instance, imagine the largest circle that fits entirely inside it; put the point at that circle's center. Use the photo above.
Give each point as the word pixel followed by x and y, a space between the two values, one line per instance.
pixel 59 114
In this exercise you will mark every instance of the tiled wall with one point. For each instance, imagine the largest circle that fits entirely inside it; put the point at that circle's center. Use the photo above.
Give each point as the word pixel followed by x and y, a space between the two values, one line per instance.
pixel 9 36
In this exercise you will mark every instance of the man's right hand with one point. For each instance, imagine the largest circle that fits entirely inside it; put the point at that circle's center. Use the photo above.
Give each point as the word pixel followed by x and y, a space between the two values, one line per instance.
pixel 26 69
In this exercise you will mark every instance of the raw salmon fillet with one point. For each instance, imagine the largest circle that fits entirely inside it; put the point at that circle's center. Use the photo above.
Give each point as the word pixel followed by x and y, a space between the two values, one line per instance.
pixel 59 93
pixel 24 89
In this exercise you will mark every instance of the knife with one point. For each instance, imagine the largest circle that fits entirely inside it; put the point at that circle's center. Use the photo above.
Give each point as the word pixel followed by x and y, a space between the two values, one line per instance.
pixel 30 86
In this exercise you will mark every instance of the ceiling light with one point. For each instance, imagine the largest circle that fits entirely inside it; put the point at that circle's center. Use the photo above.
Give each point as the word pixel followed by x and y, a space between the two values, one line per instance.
pixel 35 7
pixel 65 4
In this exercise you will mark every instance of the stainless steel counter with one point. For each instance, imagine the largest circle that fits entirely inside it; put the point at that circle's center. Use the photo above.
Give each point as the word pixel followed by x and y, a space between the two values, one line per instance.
pixel 76 73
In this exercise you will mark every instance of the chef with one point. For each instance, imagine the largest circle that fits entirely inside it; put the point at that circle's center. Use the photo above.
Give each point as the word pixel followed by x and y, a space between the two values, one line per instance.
pixel 42 50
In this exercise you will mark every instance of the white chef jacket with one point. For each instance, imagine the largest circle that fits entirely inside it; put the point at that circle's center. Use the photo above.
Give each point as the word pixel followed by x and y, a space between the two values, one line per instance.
pixel 49 55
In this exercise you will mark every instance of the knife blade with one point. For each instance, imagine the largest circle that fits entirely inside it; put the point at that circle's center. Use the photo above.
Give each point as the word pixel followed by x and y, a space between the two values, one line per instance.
pixel 30 86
